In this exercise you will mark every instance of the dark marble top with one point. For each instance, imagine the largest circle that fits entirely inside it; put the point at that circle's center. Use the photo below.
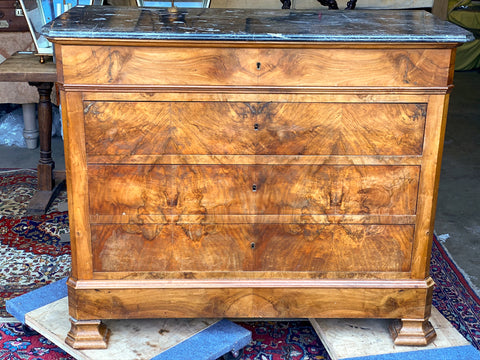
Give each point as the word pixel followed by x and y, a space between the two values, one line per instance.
pixel 107 22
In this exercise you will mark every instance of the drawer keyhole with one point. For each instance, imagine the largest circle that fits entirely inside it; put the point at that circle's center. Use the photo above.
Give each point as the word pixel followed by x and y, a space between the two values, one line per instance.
pixel 254 187
pixel 259 65
pixel 252 245
pixel 255 126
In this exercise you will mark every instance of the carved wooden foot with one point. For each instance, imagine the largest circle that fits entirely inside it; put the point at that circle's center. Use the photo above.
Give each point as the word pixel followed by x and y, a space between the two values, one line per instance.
pixel 87 334
pixel 412 332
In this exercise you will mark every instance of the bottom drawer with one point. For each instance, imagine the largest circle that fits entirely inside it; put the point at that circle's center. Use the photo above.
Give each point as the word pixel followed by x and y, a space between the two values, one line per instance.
pixel 251 247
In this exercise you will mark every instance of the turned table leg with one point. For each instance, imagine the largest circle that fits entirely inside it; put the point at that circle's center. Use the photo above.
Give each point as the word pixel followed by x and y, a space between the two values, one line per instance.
pixel 30 128
pixel 46 164
pixel 415 332
pixel 47 191
pixel 87 334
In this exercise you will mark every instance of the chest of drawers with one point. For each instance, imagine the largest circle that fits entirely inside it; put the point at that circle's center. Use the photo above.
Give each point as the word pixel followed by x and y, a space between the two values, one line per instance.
pixel 251 177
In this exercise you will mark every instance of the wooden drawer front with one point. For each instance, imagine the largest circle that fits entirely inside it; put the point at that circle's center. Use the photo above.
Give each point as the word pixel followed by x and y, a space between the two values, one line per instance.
pixel 243 247
pixel 340 128
pixel 170 247
pixel 171 190
pixel 158 128
pixel 296 67
pixel 364 190
pixel 252 190
pixel 334 248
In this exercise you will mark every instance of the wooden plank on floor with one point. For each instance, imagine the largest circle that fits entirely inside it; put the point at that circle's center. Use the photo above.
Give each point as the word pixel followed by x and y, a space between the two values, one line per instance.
pixel 350 338
pixel 46 311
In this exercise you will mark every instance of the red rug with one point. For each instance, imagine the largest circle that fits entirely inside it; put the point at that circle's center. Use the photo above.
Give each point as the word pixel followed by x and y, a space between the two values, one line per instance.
pixel 32 254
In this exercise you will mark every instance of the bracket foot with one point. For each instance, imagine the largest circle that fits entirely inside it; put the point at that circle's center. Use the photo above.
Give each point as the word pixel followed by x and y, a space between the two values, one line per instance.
pixel 412 332
pixel 87 334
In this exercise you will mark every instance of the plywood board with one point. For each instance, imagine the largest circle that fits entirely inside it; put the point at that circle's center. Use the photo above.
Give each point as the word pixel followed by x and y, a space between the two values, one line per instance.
pixel 350 338
pixel 130 339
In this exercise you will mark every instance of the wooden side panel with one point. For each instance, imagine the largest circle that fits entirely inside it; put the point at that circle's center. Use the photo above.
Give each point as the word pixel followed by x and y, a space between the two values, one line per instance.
pixel 117 65
pixel 428 185
pixel 77 184
pixel 235 128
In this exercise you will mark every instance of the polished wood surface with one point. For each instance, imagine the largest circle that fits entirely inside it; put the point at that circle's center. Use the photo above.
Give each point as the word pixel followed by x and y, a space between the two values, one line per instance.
pixel 132 128
pixel 252 180
pixel 210 190
pixel 236 66
pixel 259 301
pixel 239 247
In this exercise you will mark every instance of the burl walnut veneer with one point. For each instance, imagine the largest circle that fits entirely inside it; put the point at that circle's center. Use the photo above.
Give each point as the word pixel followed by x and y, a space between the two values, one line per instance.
pixel 252 164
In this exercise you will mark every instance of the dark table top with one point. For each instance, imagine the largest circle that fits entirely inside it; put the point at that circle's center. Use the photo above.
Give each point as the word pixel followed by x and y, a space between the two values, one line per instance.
pixel 107 22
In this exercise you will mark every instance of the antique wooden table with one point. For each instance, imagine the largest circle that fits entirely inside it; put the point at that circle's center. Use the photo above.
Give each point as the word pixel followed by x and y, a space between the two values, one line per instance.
pixel 248 163
pixel 26 67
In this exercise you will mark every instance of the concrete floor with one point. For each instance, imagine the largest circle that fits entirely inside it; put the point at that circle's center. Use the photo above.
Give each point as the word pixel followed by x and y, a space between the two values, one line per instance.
pixel 458 207
pixel 458 210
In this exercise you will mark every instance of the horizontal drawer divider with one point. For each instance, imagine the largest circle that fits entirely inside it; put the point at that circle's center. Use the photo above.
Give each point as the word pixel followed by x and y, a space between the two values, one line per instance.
pixel 256 159
pixel 346 97
pixel 238 283
pixel 353 90
pixel 254 219
pixel 250 275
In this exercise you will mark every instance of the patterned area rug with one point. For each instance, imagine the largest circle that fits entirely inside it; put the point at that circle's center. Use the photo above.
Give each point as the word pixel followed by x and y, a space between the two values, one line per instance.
pixel 17 187
pixel 34 252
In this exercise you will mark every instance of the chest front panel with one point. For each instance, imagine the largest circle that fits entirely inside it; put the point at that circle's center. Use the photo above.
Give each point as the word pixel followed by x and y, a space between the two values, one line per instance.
pixel 227 188
pixel 247 172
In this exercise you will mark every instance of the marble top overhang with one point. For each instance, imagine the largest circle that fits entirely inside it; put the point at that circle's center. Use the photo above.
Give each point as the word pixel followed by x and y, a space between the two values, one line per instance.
pixel 140 23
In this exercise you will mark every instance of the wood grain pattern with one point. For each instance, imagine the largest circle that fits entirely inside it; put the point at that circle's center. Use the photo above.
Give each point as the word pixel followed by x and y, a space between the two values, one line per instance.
pixel 237 66
pixel 253 179
pixel 333 248
pixel 171 190
pixel 140 279
pixel 77 184
pixel 247 302
pixel 245 247
pixel 252 190
pixel 310 190
pixel 333 95
pixel 140 128
pixel 428 186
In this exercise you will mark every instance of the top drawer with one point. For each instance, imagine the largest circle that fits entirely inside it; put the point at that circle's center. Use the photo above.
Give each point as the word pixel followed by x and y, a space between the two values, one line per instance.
pixel 278 67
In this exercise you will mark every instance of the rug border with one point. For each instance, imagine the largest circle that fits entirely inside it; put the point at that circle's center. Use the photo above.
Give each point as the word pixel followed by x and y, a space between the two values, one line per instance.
pixel 457 270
